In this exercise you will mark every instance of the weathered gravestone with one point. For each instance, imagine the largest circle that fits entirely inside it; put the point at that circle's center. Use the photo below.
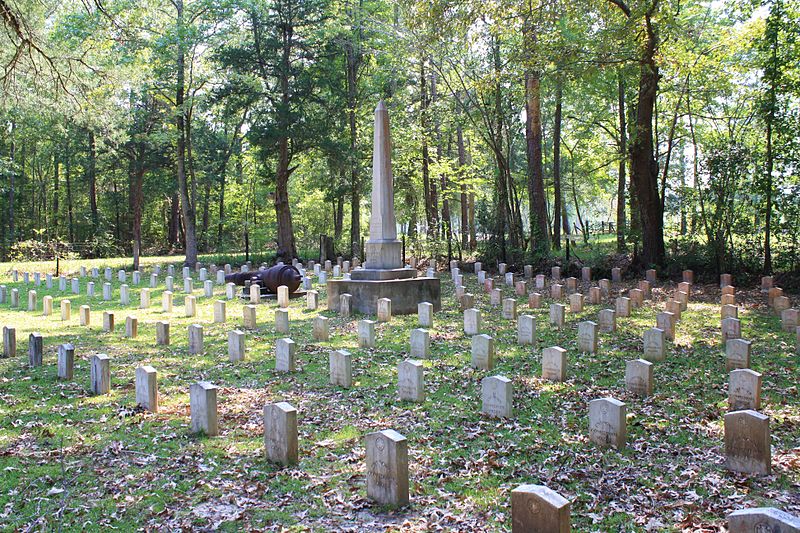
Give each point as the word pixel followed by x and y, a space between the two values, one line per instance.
pixel 280 433
pixel 162 333
pixel 249 316
pixel 366 333
pixel 538 509
pixel 587 336
pixel 747 442
pixel 425 314
pixel 472 322
pixel 654 344
pixel 420 343
pixel 387 468
pixel 557 312
pixel 285 355
pixel 147 388
pixel 411 381
pixel 607 424
pixel 131 327
pixel 483 352
pixel 607 320
pixel 9 341
pixel 510 308
pixel 195 339
pixel 203 408
pixel 320 329
pixel 282 321
pixel 100 374
pixel 526 330
pixel 35 349
pixel 737 353
pixel 623 306
pixel 497 396
pixel 639 377
pixel 554 363
pixel 762 520
pixel 575 302
pixel 340 365
pixel 108 321
pixel 744 390
pixel 190 306
pixel 66 361
pixel 312 300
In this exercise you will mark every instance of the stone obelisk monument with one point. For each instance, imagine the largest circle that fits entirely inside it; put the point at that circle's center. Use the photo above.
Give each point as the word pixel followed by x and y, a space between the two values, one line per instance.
pixel 384 275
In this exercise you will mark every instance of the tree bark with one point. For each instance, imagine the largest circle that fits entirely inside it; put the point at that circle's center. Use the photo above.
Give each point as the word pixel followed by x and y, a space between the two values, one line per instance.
pixel 56 179
pixel 353 59
pixel 464 206
pixel 540 233
pixel 67 178
pixel 623 160
pixel 426 181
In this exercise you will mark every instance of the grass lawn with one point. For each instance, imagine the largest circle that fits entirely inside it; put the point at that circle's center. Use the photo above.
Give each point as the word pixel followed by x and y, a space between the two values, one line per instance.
pixel 72 460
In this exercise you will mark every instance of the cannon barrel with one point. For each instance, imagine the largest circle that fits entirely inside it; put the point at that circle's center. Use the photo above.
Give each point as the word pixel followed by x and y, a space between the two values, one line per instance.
pixel 271 278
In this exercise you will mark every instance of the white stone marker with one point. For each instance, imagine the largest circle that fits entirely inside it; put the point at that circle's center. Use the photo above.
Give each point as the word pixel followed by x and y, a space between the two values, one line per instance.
pixel 538 509
pixel 47 305
pixel 90 289
pixel 14 298
pixel 534 300
pixel 420 343
pixel 66 361
pixel 554 364
pixel 575 302
pixel 144 298
pixel 312 300
pixel 131 327
pixel 282 321
pixel 62 283
pixel 744 390
pixel 366 333
pixel 666 321
pixel 203 406
pixel 9 341
pixel 763 520
pixel 411 381
pixel 556 291
pixel 623 306
pixel 729 311
pixel 76 285
pixel 208 288
pixel 654 345
pixel 747 442
pixel 637 297
pixel 340 366
pixel 283 296
pixel 220 311
pixel 790 319
pixel 236 349
pixel 510 308
pixel 220 277
pixel 31 301
pixel 147 388
pixel 169 283
pixel 526 330
pixel 249 316
pixel 320 329
pixel 425 314
pixel 280 433
pixel 122 276
pixel 607 320
pixel 639 377
pixel 285 355
pixel 107 292
pixel 384 310
pixel 345 305
pixel 483 352
pixel 85 315
pixel 195 339
pixel 203 274
pixel 737 352
pixel 472 322
pixel 607 424
pixel 162 333
pixel 188 285
pixel 496 297
pixel 557 312
pixel 387 467
pixel 190 306
pixel 100 374
pixel 108 321
pixel 124 295
pixel 153 281
pixel 166 301
pixel 587 336
pixel 35 349
pixel 66 309
pixel 731 329
pixel 497 396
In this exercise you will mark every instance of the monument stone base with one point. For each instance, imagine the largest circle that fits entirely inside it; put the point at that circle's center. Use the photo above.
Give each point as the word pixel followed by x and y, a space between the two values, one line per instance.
pixel 405 293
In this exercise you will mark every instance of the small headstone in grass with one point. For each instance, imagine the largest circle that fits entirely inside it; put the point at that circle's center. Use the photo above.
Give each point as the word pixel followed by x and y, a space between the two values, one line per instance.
pixel 674 307
pixel 75 285
pixel 186 272
pixel 230 291
pixel 538 509
pixel 595 295
pixel 496 297
pixel 47 305
pixel 763 520
pixel 587 336
pixel 387 468
pixel 169 283
pixel 586 274
pixel 576 302
pixel 526 330
pixel 556 291
pixel 190 306
pixel 249 316
pixel 747 442
pixel 482 352
pixel 509 276
pixel 780 304
pixel 410 381
pixel 32 301
pixel 66 309
pixel 66 361
pixel 654 341
pixel 144 298
pixel 203 407
pixel 729 311
pixel 35 349
pixel 682 298
pixel 122 276
pixel 510 308
pixel 688 276
pixel 539 282
pixel 685 287
pixel 285 355
pixel 131 327
pixel 420 343
pixel 95 272
pixel 220 277
pixel 773 293
pixel 623 306
pixel 312 300
pixel 323 277
pixel 236 348
pixel 481 277
pixel 607 424
pixel 501 269
pixel 14 298
pixel 572 285
pixel 203 274
pixel 280 433
pixel 637 297
pixel 790 319
pixel 737 353
pixel 90 289
pixel 616 274
pixel 162 333
pixel 153 281
pixel 346 267
pixel 384 310
pixel 466 301
pixel 166 301
pixel 108 321
pixel 731 328
pixel 646 287
pixel 488 285
pixel 520 288
pixel 100 374
pixel 48 280
pixel 725 280
pixel 208 288
pixel 9 341
pixel 744 390
pixel 282 321
pixel 171 270
pixel 255 293
pixel 534 300
pixel 425 314
pixel 554 363
pixel 555 273
pixel 472 321
pixel 340 365
pixel 651 275
pixel 3 294
pixel 195 339
pixel 366 333
pixel 147 388
pixel 124 295
pixel 320 330
pixel 220 311
pixel 85 315
pixel 283 296
pixel 137 277
pixel 497 396
pixel 37 278
pixel 639 377
pixel 62 283
pixel 607 320
pixel 557 312
pixel 345 305
pixel 605 286
pixel 729 289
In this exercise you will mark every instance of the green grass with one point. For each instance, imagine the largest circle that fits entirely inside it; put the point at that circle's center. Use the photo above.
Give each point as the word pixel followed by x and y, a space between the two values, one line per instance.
pixel 121 467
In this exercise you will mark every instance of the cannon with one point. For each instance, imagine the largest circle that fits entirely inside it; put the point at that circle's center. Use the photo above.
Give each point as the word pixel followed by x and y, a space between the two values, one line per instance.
pixel 269 279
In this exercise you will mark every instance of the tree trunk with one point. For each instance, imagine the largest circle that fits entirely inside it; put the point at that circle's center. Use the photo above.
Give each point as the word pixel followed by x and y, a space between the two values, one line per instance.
pixel 461 166
pixel 56 179
pixel 353 59
pixel 540 233
pixel 137 199
pixel 426 181
pixel 92 174
pixel 12 230
pixel 623 160
pixel 67 177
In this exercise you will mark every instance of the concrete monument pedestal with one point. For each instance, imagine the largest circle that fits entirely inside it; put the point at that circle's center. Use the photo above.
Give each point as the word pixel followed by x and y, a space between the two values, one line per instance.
pixel 383 275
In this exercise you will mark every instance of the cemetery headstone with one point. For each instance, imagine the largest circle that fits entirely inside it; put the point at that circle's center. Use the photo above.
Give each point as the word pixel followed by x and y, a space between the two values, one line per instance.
pixel 147 388
pixel 483 352
pixel 100 374
pixel 497 396
pixel 280 433
pixel 744 390
pixel 387 468
pixel 607 424
pixel 203 407
pixel 285 355
pixel 410 381
pixel 639 377
pixel 162 333
pixel 747 442
pixel 340 364
pixel 35 349
pixel 66 361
